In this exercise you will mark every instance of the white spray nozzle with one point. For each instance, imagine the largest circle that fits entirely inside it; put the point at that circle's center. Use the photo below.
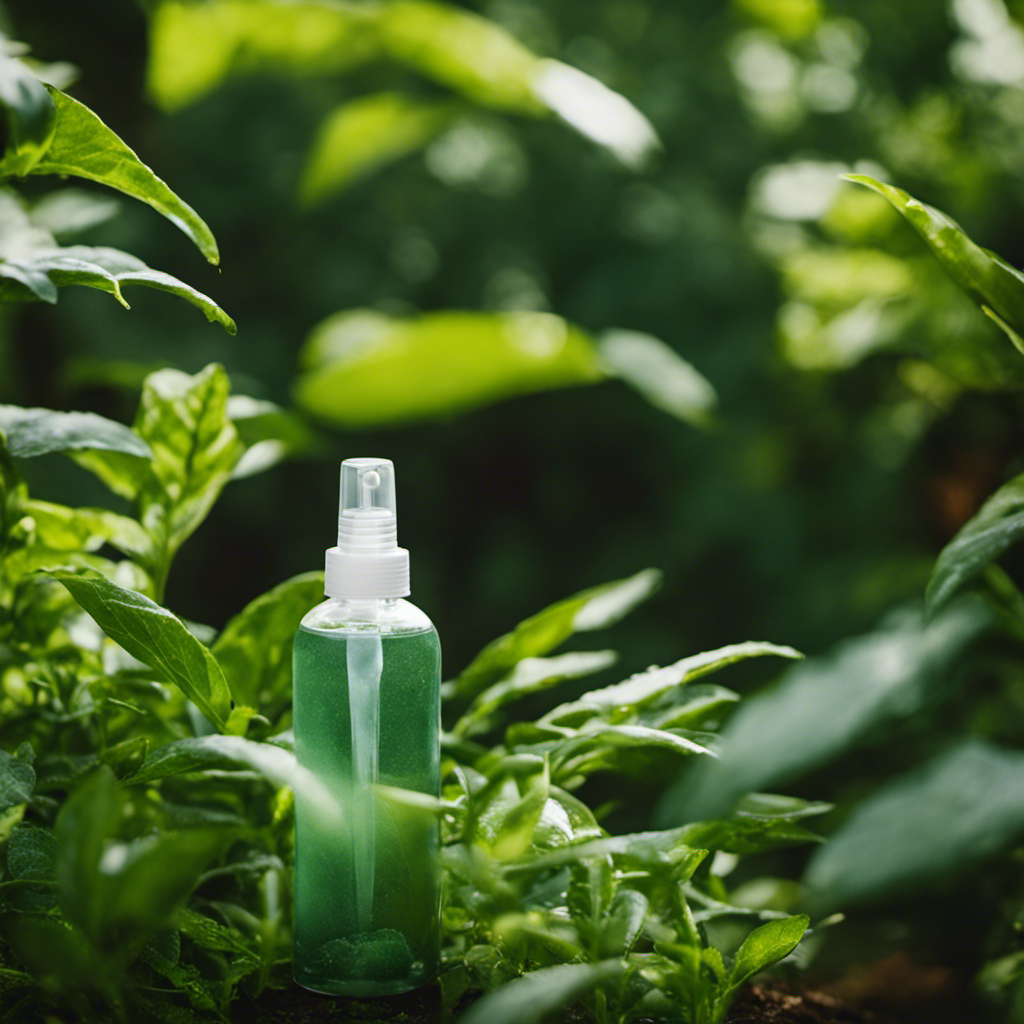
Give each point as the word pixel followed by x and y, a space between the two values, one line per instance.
pixel 367 562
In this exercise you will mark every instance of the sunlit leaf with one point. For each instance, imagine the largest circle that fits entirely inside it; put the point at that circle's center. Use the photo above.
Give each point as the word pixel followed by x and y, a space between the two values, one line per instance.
pixel 765 946
pixel 662 376
pixel 986 278
pixel 365 369
pixel 365 134
pixel 255 648
pixel 529 675
pixel 157 638
pixel 31 432
pixel 195 47
pixel 84 147
pixel 596 608
pixel 69 529
pixel 195 448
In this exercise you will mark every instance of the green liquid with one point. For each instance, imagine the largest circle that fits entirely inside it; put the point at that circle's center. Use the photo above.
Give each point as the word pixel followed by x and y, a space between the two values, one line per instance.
pixel 367 891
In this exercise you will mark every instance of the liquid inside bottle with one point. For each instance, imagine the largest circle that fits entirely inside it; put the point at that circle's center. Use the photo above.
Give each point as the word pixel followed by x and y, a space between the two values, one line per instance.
pixel 367 716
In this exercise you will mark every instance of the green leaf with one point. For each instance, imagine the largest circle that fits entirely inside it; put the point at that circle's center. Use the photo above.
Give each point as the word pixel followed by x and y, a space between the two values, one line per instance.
pixel 30 115
pixel 654 683
pixel 825 706
pixel 765 946
pixel 107 886
pixel 205 753
pixel 364 368
pixel 17 779
pixel 83 146
pixel 527 999
pixel 32 432
pixel 195 47
pixel 529 676
pixel 595 608
pixel 157 638
pixel 624 923
pixel 87 529
pixel 32 856
pixel 255 649
pixel 660 374
pixel 195 449
pixel 997 526
pixel 366 134
pixel 507 823
pixel 989 280
pixel 933 824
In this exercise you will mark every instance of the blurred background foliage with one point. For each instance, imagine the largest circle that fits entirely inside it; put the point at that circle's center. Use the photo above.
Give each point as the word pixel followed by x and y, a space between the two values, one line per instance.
pixel 399 224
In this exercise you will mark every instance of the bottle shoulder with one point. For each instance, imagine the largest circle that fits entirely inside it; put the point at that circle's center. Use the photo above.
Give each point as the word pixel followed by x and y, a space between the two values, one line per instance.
pixel 389 616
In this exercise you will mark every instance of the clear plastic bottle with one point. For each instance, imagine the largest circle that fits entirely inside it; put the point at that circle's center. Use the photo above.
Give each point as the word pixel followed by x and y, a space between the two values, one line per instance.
pixel 367 668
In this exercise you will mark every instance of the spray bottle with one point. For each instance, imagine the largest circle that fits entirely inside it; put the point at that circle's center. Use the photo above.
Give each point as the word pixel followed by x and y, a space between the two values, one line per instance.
pixel 367 668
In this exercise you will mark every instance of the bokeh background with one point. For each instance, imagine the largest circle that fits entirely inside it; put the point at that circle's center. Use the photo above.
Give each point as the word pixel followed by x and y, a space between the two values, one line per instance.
pixel 864 406
pixel 837 467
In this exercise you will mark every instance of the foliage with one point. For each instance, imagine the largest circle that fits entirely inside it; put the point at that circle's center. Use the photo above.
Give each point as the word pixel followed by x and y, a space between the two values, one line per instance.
pixel 147 809
pixel 49 132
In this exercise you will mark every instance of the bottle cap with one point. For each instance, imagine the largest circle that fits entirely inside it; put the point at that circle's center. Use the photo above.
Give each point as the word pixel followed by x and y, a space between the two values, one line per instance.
pixel 367 562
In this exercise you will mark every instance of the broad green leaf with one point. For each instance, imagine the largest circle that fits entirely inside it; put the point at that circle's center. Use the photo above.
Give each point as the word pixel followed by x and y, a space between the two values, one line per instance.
pixel 157 638
pixel 662 376
pixel 598 746
pixel 765 946
pixel 997 526
pixel 529 676
pixel 255 648
pixel 31 432
pixel 162 282
pixel 32 856
pixel 270 434
pixel 195 47
pixel 84 147
pixel 595 608
pixel 624 923
pixel 506 826
pixel 364 368
pixel 648 686
pixel 825 706
pixel 364 135
pixel 30 115
pixel 195 448
pixel 989 280
pixel 527 999
pixel 87 529
pixel 108 886
pixel 88 817
pixel 933 824
pixel 205 753
pixel 17 779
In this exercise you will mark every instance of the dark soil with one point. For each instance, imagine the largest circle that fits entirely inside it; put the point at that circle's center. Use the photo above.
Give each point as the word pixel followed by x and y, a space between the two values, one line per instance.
pixel 893 990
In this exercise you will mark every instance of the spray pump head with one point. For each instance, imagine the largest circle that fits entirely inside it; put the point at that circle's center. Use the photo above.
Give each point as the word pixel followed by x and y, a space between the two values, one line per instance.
pixel 367 562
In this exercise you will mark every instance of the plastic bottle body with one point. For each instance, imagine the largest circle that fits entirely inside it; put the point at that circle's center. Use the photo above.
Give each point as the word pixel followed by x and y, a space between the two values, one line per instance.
pixel 367 722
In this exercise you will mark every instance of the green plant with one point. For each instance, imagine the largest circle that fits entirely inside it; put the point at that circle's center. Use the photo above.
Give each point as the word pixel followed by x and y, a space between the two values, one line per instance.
pixel 955 812
pixel 146 809
pixel 451 74
pixel 49 132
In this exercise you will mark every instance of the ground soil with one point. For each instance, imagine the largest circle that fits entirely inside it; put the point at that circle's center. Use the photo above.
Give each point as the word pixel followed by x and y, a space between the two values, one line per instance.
pixel 893 990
